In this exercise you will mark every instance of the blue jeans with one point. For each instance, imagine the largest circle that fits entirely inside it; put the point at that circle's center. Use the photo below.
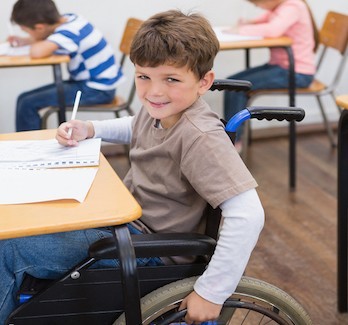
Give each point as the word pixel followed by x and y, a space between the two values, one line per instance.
pixel 29 103
pixel 262 77
pixel 48 257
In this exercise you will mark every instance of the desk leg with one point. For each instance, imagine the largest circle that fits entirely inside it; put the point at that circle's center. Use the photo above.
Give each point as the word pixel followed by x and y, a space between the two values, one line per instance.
pixel 292 124
pixel 247 58
pixel 342 214
pixel 130 284
pixel 58 79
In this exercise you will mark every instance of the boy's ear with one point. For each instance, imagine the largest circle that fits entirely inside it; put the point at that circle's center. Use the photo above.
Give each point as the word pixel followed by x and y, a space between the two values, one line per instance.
pixel 39 27
pixel 206 82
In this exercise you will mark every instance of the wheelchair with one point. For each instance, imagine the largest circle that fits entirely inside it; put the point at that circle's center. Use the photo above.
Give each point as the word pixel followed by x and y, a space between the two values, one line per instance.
pixel 152 294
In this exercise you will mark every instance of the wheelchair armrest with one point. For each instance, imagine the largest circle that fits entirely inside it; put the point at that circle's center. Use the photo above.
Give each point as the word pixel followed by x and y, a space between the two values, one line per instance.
pixel 150 245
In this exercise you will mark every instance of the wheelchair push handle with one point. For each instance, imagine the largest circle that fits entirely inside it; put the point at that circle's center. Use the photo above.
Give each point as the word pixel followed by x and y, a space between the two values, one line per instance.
pixel 265 112
pixel 231 85
pixel 277 113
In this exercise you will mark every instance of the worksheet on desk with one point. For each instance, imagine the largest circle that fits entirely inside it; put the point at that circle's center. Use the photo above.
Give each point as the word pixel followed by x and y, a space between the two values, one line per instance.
pixel 26 154
pixel 40 185
pixel 7 49
pixel 37 170
pixel 224 36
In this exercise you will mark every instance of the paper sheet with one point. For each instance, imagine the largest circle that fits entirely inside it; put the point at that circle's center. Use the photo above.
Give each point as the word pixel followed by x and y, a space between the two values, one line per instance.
pixel 224 36
pixel 7 49
pixel 48 154
pixel 29 186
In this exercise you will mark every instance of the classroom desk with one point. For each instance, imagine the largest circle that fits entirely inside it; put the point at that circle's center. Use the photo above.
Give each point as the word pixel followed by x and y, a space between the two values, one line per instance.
pixel 108 203
pixel 342 206
pixel 55 61
pixel 279 42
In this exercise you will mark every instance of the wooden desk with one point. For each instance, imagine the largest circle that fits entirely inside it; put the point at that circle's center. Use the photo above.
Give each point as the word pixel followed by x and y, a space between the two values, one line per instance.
pixel 279 42
pixel 108 203
pixel 342 206
pixel 55 61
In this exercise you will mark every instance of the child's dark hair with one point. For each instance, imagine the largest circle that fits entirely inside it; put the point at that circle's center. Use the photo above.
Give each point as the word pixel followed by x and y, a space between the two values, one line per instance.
pixel 176 39
pixel 28 13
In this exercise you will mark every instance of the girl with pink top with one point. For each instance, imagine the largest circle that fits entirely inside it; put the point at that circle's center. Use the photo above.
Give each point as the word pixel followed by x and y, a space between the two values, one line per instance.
pixel 291 18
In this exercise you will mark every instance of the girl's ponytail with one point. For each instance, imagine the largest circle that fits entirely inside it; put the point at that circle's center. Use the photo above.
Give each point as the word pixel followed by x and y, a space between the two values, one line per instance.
pixel 316 35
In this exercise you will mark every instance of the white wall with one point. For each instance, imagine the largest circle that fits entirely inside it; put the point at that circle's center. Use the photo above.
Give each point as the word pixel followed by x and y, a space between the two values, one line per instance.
pixel 110 17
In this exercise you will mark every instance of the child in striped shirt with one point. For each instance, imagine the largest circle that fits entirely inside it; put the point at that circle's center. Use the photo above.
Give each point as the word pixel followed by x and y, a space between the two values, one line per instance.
pixel 92 67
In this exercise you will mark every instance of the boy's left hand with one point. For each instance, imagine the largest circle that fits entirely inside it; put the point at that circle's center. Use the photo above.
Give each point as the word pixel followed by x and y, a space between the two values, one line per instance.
pixel 199 309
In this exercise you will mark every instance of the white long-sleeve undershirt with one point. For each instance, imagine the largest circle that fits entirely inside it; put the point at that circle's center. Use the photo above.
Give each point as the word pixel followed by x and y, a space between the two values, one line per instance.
pixel 117 130
pixel 243 219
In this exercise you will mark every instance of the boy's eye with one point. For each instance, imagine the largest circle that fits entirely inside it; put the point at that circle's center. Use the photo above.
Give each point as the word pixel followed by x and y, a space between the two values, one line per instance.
pixel 142 77
pixel 172 80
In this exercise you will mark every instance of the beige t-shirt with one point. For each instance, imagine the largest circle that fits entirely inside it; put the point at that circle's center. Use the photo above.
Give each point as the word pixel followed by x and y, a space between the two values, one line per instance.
pixel 175 171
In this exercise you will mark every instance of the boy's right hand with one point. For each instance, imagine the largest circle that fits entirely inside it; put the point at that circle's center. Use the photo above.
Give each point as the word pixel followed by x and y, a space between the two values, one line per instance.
pixel 16 41
pixel 81 130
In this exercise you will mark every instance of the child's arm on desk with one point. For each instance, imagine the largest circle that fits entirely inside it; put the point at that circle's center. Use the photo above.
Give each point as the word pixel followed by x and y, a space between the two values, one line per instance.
pixel 42 49
pixel 117 130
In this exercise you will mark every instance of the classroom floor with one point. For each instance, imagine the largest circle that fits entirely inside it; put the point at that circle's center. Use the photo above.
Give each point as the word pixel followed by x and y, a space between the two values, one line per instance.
pixel 297 248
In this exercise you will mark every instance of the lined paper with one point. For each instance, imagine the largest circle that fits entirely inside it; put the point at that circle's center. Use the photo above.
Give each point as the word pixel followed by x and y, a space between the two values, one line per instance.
pixel 29 154
pixel 37 170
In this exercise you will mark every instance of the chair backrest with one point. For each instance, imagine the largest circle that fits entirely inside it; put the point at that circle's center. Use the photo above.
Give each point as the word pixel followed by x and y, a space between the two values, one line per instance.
pixel 334 32
pixel 334 35
pixel 131 28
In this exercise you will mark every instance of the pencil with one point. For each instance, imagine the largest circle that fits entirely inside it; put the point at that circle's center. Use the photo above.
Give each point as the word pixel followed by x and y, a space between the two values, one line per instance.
pixel 76 105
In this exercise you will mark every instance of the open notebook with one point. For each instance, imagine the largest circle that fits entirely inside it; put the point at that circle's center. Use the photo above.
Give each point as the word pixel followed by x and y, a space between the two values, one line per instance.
pixel 36 170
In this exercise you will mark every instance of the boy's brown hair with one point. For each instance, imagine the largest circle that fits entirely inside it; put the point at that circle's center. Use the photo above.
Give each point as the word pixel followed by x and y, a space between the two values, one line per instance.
pixel 28 13
pixel 173 38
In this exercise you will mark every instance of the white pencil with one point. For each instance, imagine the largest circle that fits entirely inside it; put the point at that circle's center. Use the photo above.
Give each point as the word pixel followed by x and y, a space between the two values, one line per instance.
pixel 76 105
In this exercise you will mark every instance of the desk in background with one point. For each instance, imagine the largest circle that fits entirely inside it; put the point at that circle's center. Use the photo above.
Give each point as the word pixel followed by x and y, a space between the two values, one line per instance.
pixel 108 203
pixel 285 43
pixel 55 61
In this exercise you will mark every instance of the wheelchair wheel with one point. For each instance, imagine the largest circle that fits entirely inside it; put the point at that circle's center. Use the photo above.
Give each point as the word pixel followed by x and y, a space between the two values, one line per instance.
pixel 254 302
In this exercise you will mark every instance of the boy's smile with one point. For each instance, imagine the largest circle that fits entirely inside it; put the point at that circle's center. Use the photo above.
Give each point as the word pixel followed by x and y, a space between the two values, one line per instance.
pixel 167 91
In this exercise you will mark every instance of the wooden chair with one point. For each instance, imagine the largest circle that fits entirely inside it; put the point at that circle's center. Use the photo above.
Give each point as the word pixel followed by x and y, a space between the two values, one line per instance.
pixel 332 35
pixel 342 101
pixel 118 104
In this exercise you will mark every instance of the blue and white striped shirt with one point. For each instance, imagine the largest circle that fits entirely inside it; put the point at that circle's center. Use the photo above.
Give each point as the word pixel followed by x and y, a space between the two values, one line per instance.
pixel 91 57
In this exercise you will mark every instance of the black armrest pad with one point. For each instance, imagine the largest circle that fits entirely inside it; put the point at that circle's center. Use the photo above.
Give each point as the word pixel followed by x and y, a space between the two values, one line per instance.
pixel 147 245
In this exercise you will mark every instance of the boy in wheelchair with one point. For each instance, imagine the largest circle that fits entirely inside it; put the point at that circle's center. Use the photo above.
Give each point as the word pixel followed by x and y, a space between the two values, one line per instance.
pixel 181 158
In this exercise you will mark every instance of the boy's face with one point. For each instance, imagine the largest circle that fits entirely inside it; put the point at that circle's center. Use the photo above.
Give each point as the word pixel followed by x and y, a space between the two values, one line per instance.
pixel 166 91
